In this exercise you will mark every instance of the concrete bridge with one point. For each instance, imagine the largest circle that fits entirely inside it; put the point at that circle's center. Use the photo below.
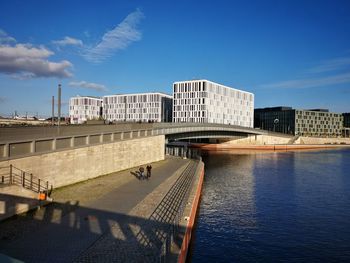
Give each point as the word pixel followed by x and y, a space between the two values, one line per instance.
pixel 69 154
pixel 17 142
pixel 65 155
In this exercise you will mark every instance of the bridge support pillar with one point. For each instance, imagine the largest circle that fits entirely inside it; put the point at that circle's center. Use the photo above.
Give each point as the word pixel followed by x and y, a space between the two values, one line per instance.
pixel 6 152
pixel 53 145
pixel 32 147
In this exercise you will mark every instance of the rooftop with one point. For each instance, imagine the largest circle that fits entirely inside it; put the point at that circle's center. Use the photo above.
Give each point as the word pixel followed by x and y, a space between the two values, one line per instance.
pixel 90 97
pixel 140 93
pixel 215 83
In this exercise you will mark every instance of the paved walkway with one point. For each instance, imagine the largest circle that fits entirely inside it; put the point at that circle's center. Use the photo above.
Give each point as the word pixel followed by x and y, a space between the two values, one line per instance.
pixel 84 216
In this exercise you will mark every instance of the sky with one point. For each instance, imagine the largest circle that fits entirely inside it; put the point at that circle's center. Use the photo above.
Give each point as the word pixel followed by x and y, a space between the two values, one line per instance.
pixel 291 53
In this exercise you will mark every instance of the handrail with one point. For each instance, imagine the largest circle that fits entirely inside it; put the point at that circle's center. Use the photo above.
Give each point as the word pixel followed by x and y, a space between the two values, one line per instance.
pixel 12 175
pixel 168 213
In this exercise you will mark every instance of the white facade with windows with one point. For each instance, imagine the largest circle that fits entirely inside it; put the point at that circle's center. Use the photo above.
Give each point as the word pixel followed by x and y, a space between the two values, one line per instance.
pixel 82 109
pixel 145 107
pixel 208 102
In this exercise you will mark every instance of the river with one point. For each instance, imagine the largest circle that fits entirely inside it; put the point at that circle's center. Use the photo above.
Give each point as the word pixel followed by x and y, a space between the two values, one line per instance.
pixel 268 207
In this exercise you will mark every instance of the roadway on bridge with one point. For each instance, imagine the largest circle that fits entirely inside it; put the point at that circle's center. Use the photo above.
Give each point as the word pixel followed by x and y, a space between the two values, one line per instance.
pixel 94 221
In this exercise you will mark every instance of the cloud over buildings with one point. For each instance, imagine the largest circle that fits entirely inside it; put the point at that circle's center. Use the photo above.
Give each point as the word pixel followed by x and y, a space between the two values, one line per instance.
pixel 116 39
pixel 332 65
pixel 88 85
pixel 26 61
pixel 311 82
pixel 68 41
pixel 328 73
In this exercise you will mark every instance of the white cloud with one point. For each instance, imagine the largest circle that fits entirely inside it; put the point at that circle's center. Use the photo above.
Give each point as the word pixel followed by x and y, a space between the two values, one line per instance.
pixel 88 85
pixel 5 38
pixel 26 61
pixel 68 41
pixel 331 65
pixel 328 73
pixel 116 39
pixel 311 82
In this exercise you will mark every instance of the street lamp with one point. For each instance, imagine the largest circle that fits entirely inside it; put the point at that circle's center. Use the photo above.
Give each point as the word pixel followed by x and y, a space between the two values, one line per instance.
pixel 275 122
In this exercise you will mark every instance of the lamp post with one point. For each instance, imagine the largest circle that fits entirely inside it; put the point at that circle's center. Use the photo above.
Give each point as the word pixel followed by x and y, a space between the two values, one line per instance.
pixel 275 122
pixel 59 105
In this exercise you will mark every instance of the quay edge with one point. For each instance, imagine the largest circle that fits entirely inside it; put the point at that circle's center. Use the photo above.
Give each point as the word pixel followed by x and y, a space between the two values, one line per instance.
pixel 191 211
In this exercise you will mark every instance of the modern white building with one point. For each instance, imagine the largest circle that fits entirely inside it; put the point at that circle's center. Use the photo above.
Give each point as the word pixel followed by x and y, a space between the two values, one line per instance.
pixel 84 108
pixel 209 102
pixel 144 107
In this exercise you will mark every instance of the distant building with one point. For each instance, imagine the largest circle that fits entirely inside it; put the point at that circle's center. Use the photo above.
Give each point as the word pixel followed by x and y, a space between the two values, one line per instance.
pixel 144 107
pixel 346 124
pixel 204 101
pixel 315 122
pixel 84 108
pixel 346 117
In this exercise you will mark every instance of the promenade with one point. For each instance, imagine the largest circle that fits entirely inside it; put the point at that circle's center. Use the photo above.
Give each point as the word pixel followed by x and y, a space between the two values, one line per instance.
pixel 94 221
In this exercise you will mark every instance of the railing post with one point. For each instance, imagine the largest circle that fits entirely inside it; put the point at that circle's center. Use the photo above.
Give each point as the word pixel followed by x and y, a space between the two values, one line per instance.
pixel 23 179
pixel 31 181
pixel 10 173
pixel 38 185
pixel 47 186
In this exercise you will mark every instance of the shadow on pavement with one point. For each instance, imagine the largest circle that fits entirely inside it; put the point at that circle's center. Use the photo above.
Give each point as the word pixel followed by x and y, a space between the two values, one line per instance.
pixel 68 232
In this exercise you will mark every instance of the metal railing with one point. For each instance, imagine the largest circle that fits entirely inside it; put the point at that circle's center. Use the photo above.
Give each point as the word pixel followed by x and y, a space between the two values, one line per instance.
pixel 157 240
pixel 10 175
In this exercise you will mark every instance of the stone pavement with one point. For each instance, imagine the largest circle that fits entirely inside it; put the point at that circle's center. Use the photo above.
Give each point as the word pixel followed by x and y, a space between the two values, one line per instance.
pixel 113 208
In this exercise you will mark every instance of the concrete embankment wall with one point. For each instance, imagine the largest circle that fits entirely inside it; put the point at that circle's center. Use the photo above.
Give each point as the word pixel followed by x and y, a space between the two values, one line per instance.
pixel 316 140
pixel 277 139
pixel 71 166
pixel 259 140
pixel 191 212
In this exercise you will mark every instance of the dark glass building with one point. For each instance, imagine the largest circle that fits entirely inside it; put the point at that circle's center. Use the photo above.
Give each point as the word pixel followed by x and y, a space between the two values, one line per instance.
pixel 277 119
pixel 346 117
pixel 315 122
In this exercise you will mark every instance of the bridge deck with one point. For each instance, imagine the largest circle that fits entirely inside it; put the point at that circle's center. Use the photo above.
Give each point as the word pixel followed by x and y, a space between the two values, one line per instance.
pixel 41 132
pixel 21 142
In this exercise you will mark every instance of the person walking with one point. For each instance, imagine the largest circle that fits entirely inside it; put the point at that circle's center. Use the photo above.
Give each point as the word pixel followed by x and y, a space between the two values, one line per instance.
pixel 149 171
pixel 141 170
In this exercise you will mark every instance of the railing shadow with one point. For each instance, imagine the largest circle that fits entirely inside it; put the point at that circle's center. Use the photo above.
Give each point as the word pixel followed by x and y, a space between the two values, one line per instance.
pixel 68 232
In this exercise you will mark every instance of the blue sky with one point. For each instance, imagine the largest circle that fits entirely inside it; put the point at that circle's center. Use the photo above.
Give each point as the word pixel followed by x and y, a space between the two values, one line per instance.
pixel 293 53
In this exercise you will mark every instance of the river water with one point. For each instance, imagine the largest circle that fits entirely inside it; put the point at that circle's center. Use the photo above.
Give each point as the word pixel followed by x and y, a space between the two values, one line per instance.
pixel 268 207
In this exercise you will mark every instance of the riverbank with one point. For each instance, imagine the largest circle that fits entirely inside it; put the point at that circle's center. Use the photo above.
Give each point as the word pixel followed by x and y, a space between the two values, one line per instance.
pixel 188 219
pixel 274 147
pixel 116 218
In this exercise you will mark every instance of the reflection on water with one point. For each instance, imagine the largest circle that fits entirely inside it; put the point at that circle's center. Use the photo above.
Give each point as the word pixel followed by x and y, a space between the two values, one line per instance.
pixel 266 207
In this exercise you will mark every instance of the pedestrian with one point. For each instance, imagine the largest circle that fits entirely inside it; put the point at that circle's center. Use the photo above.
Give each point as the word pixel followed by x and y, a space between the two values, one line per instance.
pixel 141 172
pixel 148 171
